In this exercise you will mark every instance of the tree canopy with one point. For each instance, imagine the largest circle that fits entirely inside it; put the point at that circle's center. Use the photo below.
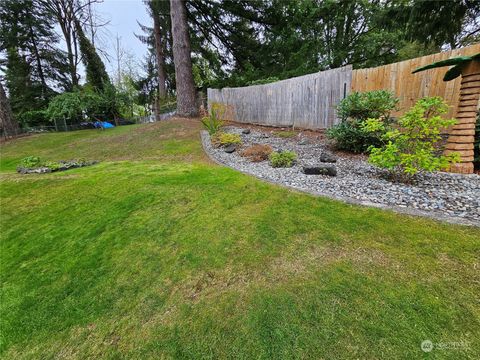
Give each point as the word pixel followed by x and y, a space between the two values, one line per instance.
pixel 232 43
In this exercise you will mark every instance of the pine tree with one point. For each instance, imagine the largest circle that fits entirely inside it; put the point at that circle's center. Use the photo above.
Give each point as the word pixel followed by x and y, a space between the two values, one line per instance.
pixel 8 124
pixel 185 87
pixel 34 67
pixel 96 74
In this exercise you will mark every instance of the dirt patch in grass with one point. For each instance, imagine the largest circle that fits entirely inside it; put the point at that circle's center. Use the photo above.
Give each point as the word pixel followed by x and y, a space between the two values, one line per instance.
pixel 283 268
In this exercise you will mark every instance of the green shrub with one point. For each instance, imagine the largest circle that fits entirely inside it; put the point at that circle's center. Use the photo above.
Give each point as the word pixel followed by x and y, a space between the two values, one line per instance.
pixel 370 104
pixel 33 118
pixel 410 145
pixel 225 139
pixel 52 165
pixel 30 162
pixel 353 111
pixel 350 136
pixel 282 159
pixel 212 122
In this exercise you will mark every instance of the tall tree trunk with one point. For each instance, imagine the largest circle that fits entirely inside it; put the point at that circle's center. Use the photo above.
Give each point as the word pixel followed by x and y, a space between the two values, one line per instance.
pixel 186 100
pixel 8 125
pixel 162 90
pixel 156 108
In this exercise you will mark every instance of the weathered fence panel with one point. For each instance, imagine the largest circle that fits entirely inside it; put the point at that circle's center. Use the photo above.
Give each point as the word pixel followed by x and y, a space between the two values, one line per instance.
pixel 307 101
pixel 398 78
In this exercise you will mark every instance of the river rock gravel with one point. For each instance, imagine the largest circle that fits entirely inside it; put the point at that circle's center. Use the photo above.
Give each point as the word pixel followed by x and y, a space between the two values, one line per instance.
pixel 444 196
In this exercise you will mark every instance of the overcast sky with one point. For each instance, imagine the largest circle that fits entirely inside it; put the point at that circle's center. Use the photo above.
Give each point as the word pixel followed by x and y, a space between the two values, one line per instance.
pixel 123 16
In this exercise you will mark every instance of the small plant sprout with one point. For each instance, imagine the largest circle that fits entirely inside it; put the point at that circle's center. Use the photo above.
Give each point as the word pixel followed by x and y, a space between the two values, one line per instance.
pixel 213 122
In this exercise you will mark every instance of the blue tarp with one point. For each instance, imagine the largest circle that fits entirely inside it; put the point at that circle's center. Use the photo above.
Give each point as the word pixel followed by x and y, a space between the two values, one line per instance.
pixel 103 124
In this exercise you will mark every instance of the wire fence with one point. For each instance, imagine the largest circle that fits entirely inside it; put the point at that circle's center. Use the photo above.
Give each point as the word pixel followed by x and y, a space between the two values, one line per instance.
pixel 63 126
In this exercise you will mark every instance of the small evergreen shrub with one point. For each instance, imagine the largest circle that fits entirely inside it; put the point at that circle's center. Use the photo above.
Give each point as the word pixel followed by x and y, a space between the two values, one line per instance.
pixel 411 145
pixel 353 111
pixel 213 123
pixel 282 159
pixel 225 139
pixel 257 152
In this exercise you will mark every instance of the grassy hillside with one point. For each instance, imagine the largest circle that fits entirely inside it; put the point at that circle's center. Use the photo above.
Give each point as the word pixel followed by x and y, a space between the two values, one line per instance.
pixel 158 253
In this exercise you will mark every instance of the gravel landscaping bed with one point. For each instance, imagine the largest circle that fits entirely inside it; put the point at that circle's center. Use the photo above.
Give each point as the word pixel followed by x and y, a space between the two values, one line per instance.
pixel 444 196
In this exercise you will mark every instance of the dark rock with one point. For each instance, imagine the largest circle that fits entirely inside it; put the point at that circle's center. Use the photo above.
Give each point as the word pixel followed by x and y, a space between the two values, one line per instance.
pixel 328 157
pixel 230 148
pixel 320 169
pixel 246 131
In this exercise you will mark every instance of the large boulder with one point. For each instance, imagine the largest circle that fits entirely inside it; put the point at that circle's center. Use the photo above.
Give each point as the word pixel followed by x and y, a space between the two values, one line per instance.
pixel 328 157
pixel 230 148
pixel 320 169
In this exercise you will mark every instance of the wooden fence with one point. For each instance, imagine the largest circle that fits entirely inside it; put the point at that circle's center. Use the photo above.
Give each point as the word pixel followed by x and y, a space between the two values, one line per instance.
pixel 409 87
pixel 307 101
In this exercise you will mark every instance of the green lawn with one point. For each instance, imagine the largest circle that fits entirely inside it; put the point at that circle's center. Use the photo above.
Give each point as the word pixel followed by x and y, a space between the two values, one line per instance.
pixel 158 253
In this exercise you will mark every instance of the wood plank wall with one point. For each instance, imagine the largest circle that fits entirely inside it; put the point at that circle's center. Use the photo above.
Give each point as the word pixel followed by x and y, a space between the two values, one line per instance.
pixel 309 101
pixel 410 87
pixel 306 101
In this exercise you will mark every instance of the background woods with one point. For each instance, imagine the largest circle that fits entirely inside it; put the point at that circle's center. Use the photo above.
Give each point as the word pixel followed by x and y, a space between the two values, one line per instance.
pixel 50 47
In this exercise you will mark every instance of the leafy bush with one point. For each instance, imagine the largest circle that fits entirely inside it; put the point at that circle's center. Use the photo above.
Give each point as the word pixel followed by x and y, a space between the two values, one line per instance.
pixel 33 118
pixel 225 139
pixel 213 122
pixel 30 162
pixel 282 159
pixel 410 146
pixel 370 104
pixel 73 105
pixel 86 102
pixel 257 152
pixel 353 111
pixel 350 136
pixel 52 165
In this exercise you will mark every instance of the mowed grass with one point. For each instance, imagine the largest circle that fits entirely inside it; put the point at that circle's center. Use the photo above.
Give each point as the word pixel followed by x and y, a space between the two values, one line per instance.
pixel 158 253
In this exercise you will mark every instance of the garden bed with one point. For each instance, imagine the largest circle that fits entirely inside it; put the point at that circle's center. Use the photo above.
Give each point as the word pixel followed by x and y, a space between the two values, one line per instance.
pixel 49 167
pixel 444 196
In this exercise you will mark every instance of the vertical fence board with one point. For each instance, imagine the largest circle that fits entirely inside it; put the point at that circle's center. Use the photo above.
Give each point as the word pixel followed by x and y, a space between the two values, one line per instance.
pixel 309 101
pixel 409 87
pixel 306 101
